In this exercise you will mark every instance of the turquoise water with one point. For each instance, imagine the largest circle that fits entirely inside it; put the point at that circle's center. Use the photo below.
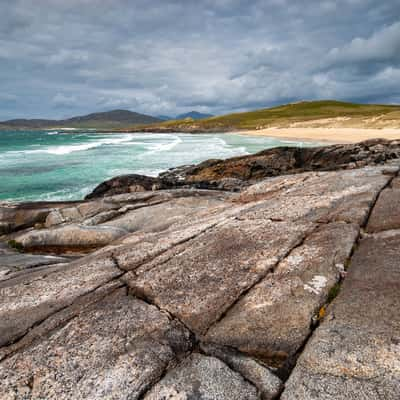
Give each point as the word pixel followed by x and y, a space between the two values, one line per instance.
pixel 57 165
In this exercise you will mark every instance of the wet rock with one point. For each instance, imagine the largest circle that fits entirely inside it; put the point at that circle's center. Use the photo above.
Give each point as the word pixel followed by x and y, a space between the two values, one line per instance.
pixel 123 184
pixel 201 377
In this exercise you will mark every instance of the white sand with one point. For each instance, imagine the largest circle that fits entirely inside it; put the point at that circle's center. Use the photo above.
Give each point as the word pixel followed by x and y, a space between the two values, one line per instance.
pixel 333 135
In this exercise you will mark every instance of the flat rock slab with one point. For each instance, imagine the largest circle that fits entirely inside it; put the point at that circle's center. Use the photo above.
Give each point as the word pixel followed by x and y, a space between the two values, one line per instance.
pixel 274 318
pixel 354 354
pixel 159 217
pixel 386 213
pixel 116 349
pixel 12 261
pixel 25 301
pixel 202 377
pixel 142 248
pixel 324 196
pixel 202 278
pixel 20 261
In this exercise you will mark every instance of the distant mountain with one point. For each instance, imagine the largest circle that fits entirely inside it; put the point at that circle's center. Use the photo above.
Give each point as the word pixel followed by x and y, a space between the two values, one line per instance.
pixel 102 120
pixel 164 117
pixel 194 115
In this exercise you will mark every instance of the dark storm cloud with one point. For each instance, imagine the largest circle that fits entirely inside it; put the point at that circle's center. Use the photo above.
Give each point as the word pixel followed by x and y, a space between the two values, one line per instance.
pixel 59 58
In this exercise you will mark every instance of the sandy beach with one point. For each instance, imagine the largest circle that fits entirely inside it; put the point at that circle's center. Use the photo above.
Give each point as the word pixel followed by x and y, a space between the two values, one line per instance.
pixel 330 135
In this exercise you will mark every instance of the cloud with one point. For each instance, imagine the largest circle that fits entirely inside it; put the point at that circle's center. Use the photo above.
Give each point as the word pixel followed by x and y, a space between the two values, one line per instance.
pixel 61 100
pixel 68 57
pixel 169 56
pixel 7 100
pixel 381 46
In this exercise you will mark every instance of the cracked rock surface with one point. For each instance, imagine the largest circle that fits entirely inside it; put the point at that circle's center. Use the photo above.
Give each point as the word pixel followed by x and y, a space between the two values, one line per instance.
pixel 288 288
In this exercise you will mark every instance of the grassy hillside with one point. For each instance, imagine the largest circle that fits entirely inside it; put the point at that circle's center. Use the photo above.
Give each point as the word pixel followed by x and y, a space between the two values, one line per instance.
pixel 327 113
pixel 303 114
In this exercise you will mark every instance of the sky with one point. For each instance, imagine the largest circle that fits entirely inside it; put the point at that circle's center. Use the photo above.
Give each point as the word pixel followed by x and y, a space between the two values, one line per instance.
pixel 60 58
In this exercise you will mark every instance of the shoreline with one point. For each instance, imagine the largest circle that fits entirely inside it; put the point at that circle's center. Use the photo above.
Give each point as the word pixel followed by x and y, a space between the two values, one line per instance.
pixel 325 135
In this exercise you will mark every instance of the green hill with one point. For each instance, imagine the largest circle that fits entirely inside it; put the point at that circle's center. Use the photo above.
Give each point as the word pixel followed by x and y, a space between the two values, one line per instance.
pixel 326 113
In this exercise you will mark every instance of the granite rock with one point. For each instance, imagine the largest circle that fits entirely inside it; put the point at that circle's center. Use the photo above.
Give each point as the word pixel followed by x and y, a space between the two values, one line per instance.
pixel 354 354
pixel 172 291
pixel 116 349
pixel 202 377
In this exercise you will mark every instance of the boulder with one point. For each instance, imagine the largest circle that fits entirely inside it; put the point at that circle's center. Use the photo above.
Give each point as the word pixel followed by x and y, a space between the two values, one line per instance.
pixel 123 184
pixel 14 217
pixel 70 238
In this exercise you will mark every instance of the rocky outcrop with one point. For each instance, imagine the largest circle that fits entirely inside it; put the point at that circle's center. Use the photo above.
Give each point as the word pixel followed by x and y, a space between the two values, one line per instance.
pixel 239 172
pixel 287 289
pixel 130 183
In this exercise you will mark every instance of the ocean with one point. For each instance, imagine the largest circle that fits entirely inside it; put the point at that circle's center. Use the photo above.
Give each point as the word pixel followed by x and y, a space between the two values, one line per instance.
pixel 67 165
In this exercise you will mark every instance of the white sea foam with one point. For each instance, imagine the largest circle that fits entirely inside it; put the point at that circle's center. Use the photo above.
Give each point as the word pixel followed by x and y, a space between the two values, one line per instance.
pixel 67 149
pixel 141 153
pixel 63 194
pixel 60 150
pixel 161 147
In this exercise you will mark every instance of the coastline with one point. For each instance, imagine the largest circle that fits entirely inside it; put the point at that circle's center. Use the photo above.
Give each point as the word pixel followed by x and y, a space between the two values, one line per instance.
pixel 326 135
